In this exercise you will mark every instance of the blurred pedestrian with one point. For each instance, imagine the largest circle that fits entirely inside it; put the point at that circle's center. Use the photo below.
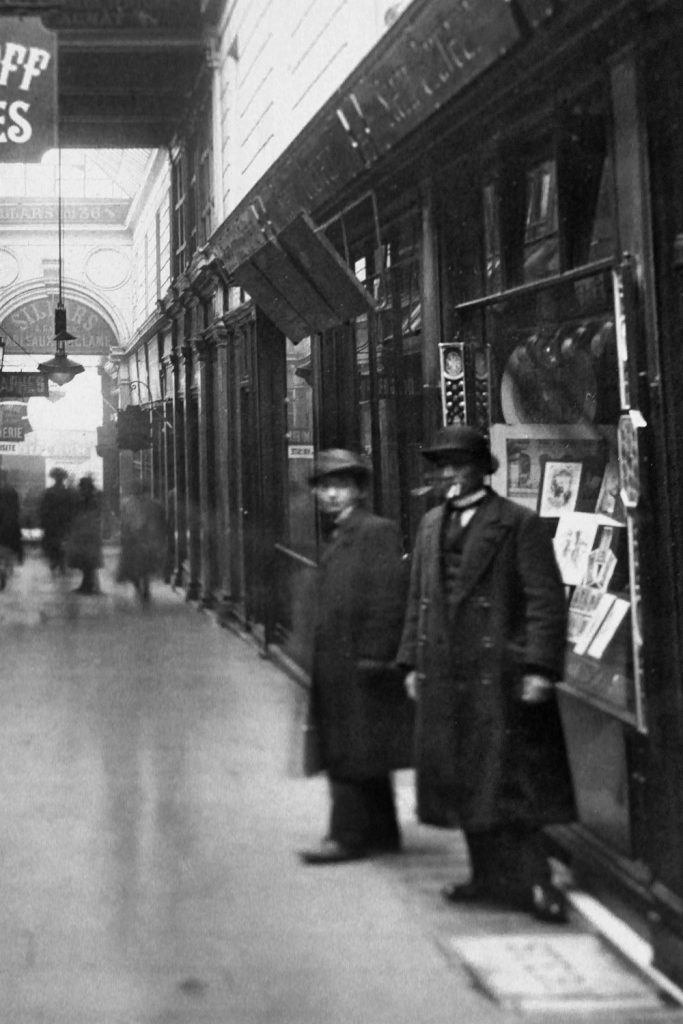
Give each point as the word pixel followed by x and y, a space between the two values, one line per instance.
pixel 57 507
pixel 358 704
pixel 143 540
pixel 11 545
pixel 484 641
pixel 84 544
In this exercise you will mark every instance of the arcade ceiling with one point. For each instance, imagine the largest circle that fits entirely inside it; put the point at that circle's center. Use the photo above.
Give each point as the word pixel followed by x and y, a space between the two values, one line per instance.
pixel 126 67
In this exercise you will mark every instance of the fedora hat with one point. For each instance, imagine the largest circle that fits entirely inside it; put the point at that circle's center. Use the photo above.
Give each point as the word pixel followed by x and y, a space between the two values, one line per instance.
pixel 465 444
pixel 334 461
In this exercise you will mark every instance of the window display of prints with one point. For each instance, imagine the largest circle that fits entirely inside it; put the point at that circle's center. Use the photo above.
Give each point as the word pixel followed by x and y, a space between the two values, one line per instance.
pixel 523 451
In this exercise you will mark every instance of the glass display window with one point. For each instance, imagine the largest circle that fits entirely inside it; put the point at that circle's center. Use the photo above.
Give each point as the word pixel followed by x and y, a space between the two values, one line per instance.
pixel 556 422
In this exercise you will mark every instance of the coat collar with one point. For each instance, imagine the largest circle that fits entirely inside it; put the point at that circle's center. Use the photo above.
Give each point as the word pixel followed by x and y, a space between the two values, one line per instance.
pixel 345 532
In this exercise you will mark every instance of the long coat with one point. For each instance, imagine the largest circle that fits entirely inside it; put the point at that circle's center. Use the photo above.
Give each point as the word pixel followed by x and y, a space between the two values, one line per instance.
pixel 484 758
pixel 84 543
pixel 358 701
pixel 144 538
pixel 10 527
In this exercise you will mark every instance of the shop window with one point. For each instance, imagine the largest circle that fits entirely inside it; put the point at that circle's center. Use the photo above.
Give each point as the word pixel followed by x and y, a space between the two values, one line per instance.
pixel 192 191
pixel 541 236
pixel 383 249
pixel 180 257
pixel 540 304
pixel 492 253
pixel 542 211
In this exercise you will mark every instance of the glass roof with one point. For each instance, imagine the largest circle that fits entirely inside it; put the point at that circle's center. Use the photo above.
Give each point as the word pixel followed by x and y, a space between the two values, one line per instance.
pixel 86 174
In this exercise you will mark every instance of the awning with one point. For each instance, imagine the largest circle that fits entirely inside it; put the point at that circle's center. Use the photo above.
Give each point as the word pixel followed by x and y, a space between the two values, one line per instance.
pixel 301 282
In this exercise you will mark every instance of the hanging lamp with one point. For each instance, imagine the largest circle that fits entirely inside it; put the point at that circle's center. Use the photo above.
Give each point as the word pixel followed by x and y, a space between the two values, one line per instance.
pixel 60 369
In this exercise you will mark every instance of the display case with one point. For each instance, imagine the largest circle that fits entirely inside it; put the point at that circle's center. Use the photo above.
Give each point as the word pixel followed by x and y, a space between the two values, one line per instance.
pixel 567 447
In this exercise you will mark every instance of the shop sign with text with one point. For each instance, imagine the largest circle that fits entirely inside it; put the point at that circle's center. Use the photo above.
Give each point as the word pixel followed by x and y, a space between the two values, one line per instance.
pixel 28 89
pixel 31 328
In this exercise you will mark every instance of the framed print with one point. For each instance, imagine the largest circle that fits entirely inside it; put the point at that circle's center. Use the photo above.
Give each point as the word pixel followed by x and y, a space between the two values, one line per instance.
pixel 559 491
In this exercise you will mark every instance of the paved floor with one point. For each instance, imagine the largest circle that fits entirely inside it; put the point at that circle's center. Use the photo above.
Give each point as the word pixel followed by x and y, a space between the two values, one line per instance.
pixel 150 818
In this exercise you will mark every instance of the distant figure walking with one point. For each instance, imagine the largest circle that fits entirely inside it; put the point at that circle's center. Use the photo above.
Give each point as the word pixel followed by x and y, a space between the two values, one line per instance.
pixel 143 540
pixel 11 548
pixel 57 508
pixel 84 545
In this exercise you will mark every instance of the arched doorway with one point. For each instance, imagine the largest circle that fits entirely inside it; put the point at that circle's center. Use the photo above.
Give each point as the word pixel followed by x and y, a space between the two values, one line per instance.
pixel 58 425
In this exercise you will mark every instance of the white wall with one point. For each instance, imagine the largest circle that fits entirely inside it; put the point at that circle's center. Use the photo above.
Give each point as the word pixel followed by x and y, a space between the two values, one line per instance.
pixel 152 199
pixel 280 60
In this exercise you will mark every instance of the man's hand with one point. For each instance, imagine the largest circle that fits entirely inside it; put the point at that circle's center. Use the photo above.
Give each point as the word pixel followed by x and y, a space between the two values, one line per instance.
pixel 535 688
pixel 412 684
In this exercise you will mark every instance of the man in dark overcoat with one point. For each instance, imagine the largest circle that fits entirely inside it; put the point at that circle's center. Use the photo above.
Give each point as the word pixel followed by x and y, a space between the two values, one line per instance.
pixel 484 643
pixel 358 702
pixel 57 508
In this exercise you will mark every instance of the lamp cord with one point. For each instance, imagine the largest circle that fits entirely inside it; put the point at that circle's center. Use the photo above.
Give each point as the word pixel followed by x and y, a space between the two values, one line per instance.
pixel 59 220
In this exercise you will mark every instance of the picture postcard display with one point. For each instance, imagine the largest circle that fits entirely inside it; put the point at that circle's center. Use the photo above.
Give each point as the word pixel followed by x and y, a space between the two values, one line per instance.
pixel 569 474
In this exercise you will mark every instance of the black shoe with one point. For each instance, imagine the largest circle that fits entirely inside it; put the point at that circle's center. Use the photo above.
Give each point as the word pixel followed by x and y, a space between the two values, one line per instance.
pixel 331 852
pixel 548 903
pixel 466 892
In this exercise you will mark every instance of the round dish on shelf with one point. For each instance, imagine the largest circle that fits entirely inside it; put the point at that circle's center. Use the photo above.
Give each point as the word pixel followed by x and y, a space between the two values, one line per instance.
pixel 541 384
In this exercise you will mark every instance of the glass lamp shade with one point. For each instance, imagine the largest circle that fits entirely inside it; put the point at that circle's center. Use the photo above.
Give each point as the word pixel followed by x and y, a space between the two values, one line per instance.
pixel 60 369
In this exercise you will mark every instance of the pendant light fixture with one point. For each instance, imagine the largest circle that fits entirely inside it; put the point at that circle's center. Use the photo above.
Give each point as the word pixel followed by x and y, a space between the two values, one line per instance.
pixel 60 369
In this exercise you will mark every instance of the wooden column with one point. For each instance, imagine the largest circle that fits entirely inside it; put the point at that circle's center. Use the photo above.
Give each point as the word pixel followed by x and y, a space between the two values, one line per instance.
pixel 222 462
pixel 205 354
pixel 177 499
pixel 192 497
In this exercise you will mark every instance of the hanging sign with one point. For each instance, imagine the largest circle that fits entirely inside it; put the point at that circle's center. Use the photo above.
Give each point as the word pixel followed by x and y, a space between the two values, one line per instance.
pixel 28 89
pixel 27 384
pixel 14 425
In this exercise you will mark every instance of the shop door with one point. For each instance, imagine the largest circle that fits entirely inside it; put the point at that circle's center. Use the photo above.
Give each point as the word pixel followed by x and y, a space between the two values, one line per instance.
pixel 246 476
pixel 257 465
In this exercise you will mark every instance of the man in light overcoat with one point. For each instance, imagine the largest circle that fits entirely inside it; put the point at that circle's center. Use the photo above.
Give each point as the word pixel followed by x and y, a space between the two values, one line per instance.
pixel 484 643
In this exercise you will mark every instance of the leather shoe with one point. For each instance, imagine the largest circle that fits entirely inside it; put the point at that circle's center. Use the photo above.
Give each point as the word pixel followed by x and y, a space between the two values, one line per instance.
pixel 548 903
pixel 465 892
pixel 330 852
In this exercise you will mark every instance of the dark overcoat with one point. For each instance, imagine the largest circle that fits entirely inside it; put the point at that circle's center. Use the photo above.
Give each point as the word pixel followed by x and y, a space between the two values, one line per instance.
pixel 484 758
pixel 358 701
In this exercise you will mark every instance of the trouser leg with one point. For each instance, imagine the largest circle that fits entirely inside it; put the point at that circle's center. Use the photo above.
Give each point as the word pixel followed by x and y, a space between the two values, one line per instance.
pixel 509 860
pixel 363 813
pixel 383 828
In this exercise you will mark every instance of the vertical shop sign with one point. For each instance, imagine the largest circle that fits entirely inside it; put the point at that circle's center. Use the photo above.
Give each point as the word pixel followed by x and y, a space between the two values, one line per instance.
pixel 28 89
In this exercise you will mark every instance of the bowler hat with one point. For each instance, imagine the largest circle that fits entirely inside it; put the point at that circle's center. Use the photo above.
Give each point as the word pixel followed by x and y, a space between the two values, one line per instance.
pixel 333 461
pixel 463 443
